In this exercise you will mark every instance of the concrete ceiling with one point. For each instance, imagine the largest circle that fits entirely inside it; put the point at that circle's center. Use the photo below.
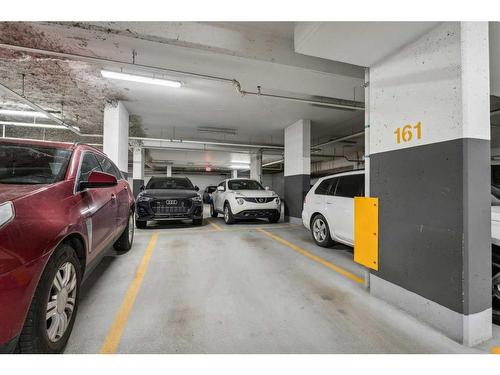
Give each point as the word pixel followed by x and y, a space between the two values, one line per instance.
pixel 358 43
pixel 253 53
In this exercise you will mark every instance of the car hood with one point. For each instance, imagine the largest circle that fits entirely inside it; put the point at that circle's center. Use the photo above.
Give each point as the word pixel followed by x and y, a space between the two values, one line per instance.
pixel 169 193
pixel 254 193
pixel 10 192
pixel 495 213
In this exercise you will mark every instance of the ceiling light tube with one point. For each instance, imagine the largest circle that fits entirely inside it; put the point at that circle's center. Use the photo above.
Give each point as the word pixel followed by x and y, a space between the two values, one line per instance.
pixel 141 79
pixel 34 125
pixel 12 112
pixel 239 166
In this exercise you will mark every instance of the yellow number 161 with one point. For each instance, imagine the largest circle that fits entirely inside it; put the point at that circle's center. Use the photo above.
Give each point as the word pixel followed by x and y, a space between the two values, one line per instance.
pixel 406 133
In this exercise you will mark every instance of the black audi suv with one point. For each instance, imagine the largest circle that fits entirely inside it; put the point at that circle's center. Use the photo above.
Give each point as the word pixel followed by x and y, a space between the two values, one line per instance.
pixel 168 198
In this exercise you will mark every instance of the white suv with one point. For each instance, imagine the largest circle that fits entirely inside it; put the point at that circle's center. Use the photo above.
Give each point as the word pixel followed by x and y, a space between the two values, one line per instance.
pixel 242 198
pixel 329 208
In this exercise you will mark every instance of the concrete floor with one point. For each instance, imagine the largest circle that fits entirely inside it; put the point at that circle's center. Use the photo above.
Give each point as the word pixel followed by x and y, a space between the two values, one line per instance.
pixel 237 290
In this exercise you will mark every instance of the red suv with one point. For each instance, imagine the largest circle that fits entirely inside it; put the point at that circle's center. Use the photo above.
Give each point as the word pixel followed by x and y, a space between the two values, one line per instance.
pixel 61 207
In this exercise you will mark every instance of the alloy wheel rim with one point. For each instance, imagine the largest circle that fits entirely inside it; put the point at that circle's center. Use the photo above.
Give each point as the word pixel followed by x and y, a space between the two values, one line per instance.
pixel 319 230
pixel 61 302
pixel 130 229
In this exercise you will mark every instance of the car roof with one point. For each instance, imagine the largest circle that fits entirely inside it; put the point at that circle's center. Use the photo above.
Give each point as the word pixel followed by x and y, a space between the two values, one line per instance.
pixel 35 142
pixel 348 173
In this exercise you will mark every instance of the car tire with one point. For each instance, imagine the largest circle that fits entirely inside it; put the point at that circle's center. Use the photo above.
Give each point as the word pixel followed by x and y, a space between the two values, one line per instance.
pixel 228 214
pixel 321 232
pixel 140 224
pixel 213 213
pixel 124 242
pixel 496 289
pixel 275 218
pixel 42 335
pixel 197 221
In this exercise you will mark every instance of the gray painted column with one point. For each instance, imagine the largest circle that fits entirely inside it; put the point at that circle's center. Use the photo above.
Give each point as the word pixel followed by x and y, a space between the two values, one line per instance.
pixel 138 170
pixel 169 170
pixel 115 134
pixel 297 168
pixel 256 166
pixel 234 173
pixel 434 189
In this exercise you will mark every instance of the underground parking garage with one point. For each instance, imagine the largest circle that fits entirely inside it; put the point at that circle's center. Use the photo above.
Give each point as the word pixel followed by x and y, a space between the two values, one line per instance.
pixel 277 187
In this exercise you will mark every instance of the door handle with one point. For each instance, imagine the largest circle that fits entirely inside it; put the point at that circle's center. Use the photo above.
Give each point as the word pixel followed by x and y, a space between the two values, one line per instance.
pixel 329 202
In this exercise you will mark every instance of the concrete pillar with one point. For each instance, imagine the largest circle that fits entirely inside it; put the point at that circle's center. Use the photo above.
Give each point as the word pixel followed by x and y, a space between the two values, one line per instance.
pixel 434 189
pixel 138 170
pixel 169 170
pixel 115 134
pixel 234 173
pixel 256 166
pixel 297 168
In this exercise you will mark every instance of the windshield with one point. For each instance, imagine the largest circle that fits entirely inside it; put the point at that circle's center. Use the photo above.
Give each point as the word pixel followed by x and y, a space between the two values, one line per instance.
pixel 244 185
pixel 31 164
pixel 170 183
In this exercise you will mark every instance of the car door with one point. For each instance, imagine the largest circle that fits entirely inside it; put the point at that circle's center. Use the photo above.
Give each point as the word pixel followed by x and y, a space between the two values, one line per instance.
pixel 347 188
pixel 219 197
pixel 319 198
pixel 100 217
pixel 120 191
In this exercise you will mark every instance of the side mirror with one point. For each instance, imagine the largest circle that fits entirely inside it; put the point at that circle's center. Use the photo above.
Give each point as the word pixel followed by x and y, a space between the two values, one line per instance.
pixel 267 188
pixel 196 188
pixel 99 180
pixel 220 188
pixel 142 188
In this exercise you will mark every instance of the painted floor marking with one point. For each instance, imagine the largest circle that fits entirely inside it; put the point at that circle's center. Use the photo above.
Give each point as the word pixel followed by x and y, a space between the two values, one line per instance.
pixel 316 258
pixel 114 335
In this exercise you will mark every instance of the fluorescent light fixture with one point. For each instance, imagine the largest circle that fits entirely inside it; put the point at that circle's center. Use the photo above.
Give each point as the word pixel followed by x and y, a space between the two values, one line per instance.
pixel 240 161
pixel 239 166
pixel 34 125
pixel 141 79
pixel 12 112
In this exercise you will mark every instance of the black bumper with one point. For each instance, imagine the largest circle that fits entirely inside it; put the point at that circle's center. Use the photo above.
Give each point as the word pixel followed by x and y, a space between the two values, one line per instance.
pixel 145 212
pixel 257 214
pixel 9 347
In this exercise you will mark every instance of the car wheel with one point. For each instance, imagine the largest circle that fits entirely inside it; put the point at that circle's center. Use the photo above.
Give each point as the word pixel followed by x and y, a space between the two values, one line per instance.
pixel 197 221
pixel 321 232
pixel 228 214
pixel 496 291
pixel 275 218
pixel 53 308
pixel 141 224
pixel 124 242
pixel 213 213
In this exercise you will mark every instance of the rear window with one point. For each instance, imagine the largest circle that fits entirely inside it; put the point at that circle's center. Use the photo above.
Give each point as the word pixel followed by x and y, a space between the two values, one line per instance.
pixel 350 186
pixel 31 164
pixel 170 183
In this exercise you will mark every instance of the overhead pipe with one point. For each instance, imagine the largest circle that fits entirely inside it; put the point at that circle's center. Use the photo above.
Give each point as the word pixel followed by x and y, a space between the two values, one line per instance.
pixel 340 139
pixel 341 104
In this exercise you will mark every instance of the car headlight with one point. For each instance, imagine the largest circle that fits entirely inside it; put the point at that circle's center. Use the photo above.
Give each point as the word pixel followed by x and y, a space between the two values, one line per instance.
pixel 6 213
pixel 277 201
pixel 144 198
pixel 240 200
pixel 196 199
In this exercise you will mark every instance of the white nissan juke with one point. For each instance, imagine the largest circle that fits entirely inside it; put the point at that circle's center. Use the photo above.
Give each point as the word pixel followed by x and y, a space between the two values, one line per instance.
pixel 242 198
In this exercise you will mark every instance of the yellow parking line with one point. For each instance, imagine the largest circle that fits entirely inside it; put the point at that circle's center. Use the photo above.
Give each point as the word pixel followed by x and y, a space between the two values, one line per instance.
pixel 115 332
pixel 316 258
pixel 495 350
pixel 217 227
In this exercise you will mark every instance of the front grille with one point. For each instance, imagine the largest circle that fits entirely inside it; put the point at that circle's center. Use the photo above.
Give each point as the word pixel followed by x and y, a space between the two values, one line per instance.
pixel 260 200
pixel 170 206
